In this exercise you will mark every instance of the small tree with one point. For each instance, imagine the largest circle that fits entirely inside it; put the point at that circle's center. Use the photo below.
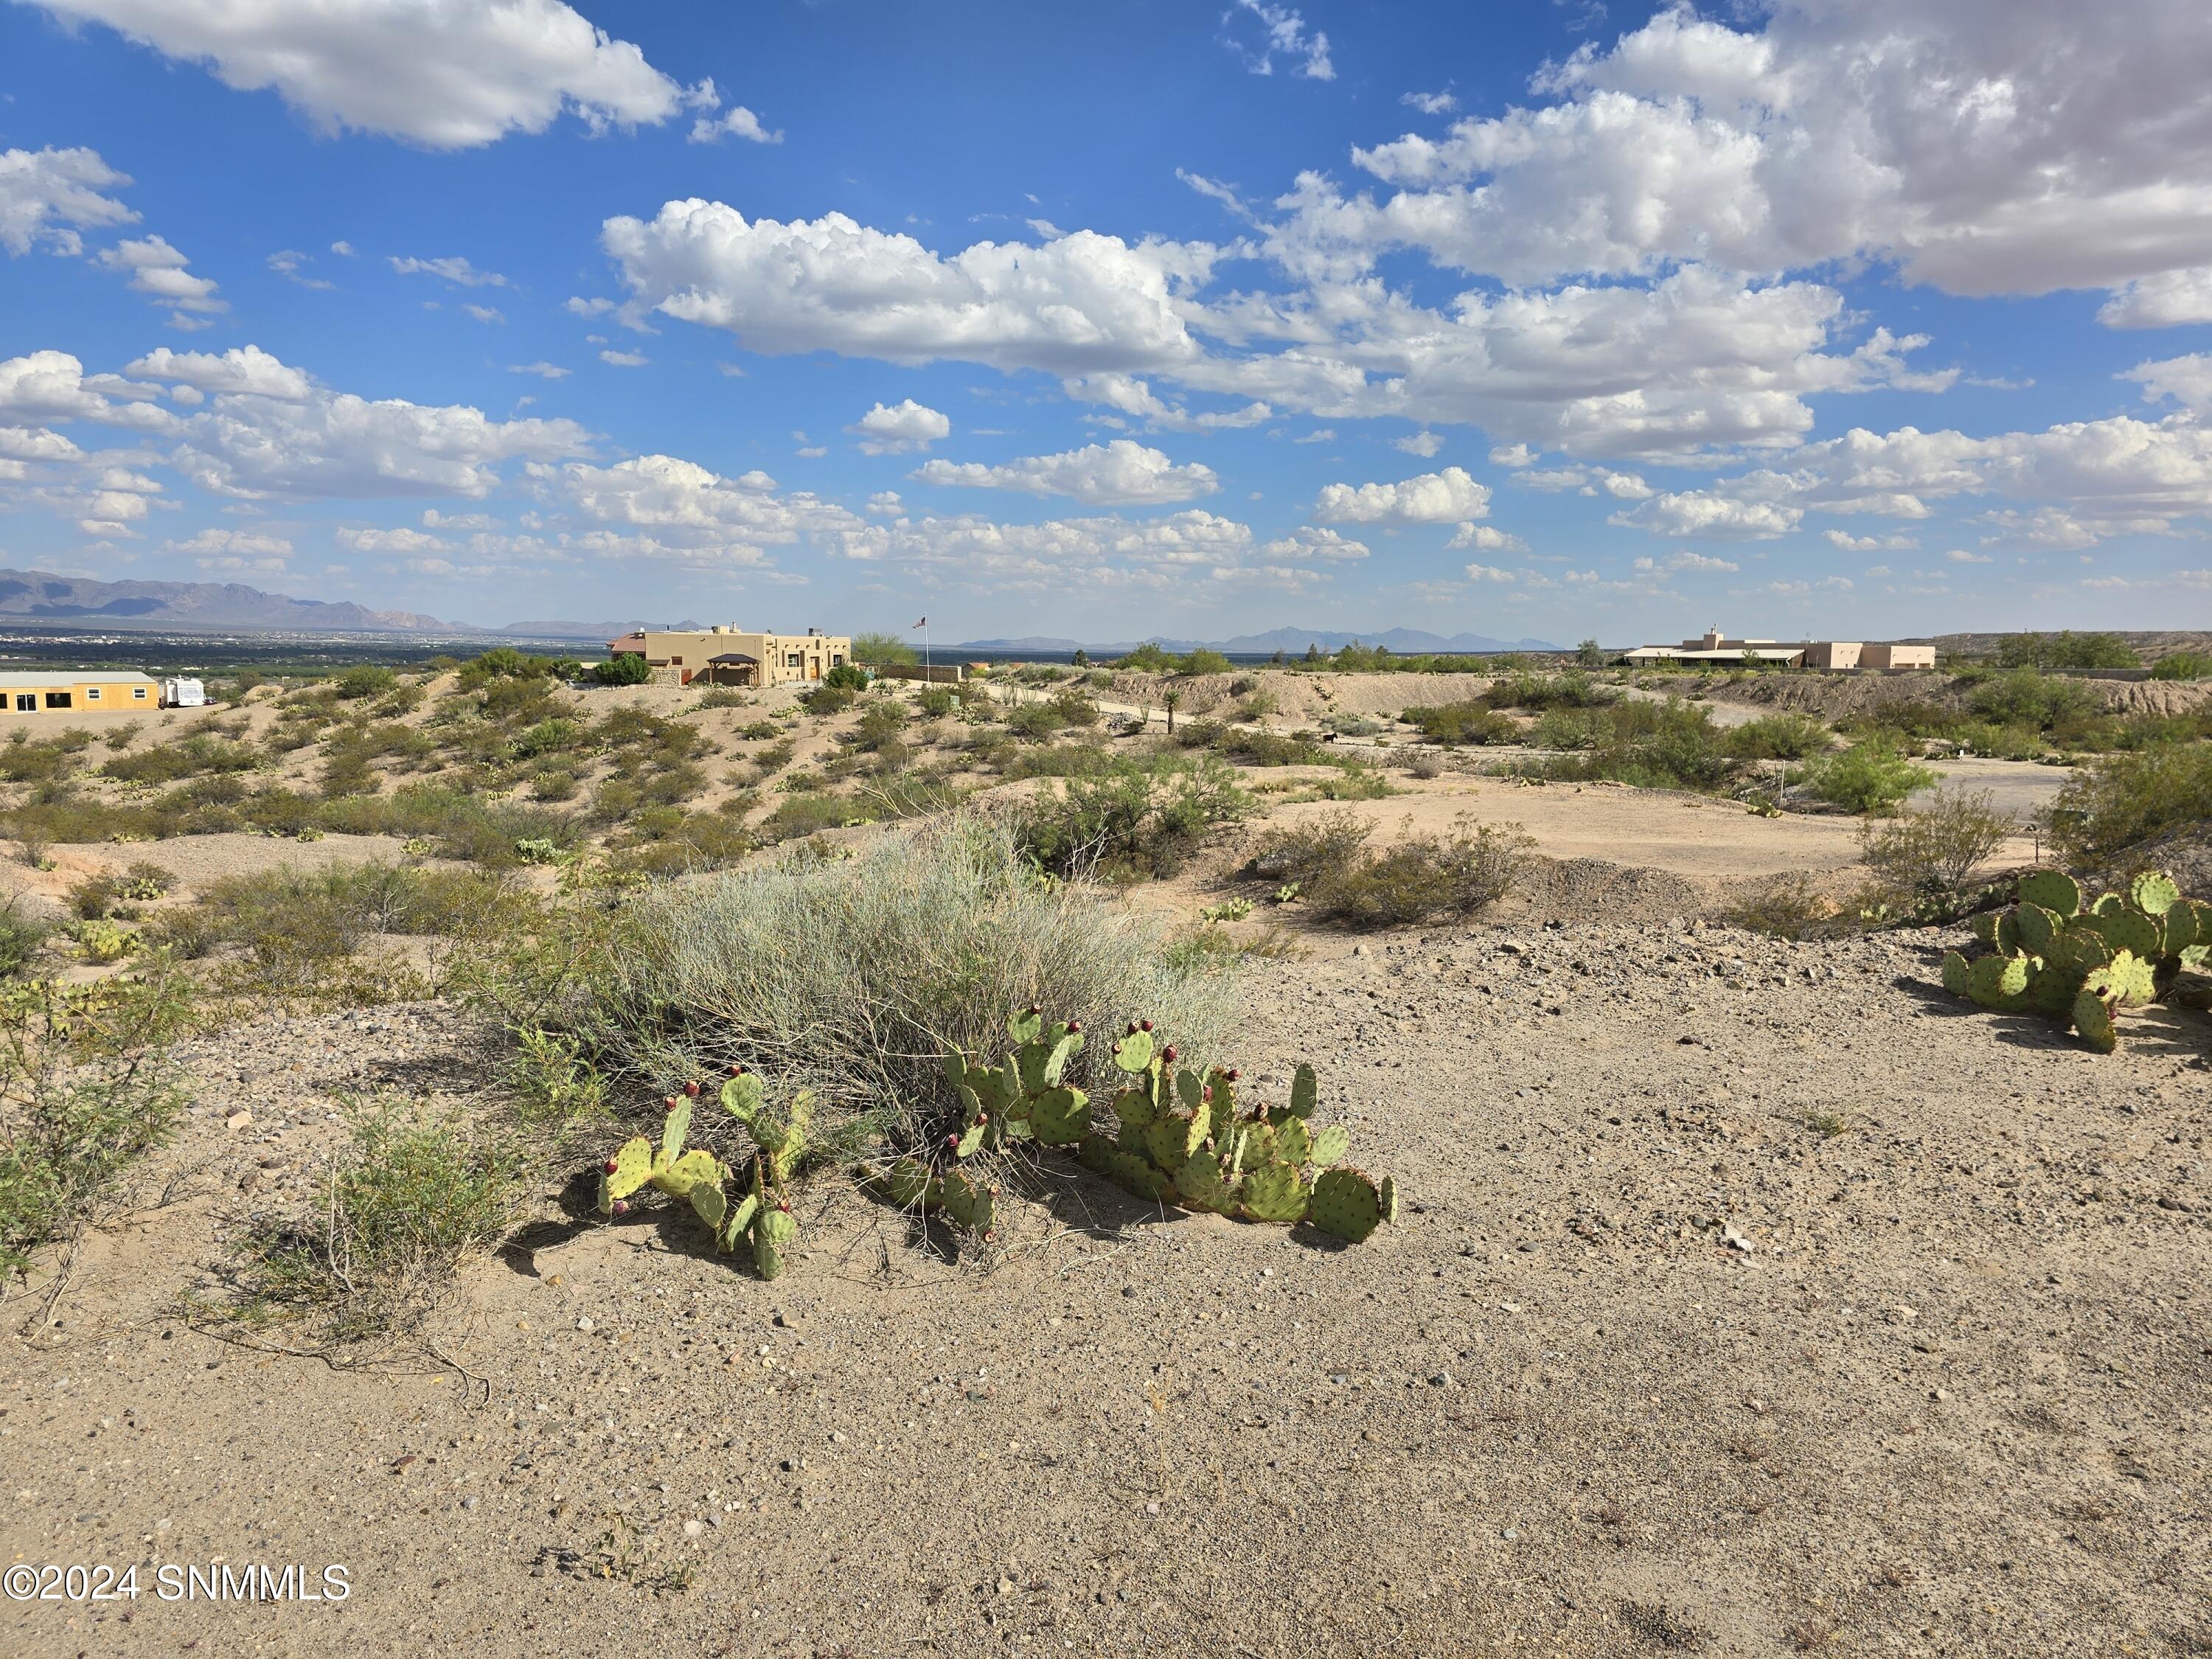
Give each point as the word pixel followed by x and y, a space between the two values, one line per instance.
pixel 848 677
pixel 881 648
pixel 1934 850
pixel 1081 658
pixel 1313 652
pixel 1590 654
pixel 1171 699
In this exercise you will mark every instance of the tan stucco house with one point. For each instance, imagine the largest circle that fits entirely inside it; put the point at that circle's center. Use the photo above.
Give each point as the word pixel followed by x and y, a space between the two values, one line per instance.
pixel 728 655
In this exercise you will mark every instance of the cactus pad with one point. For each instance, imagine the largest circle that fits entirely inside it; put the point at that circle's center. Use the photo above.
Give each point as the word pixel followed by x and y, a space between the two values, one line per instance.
pixel 773 1229
pixel 1060 1117
pixel 1199 1184
pixel 1955 969
pixel 2053 890
pixel 1346 1203
pixel 1305 1093
pixel 2128 930
pixel 1995 982
pixel 2153 893
pixel 1134 1053
pixel 1293 1142
pixel 1330 1144
pixel 1985 928
pixel 1272 1193
pixel 708 1204
pixel 742 1097
pixel 678 1178
pixel 1026 1026
pixel 2093 1017
pixel 633 1168
pixel 2037 928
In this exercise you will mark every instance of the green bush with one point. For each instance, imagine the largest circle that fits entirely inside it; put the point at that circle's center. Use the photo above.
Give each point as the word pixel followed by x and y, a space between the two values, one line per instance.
pixel 1872 775
pixel 1779 737
pixel 935 701
pixel 1147 659
pixel 1419 877
pixel 87 1088
pixel 2121 799
pixel 2064 650
pixel 367 681
pixel 847 677
pixel 1202 661
pixel 2183 666
pixel 2023 696
pixel 1931 852
pixel 828 699
pixel 1129 820
pixel 1474 722
pixel 627 668
pixel 22 936
pixel 1652 745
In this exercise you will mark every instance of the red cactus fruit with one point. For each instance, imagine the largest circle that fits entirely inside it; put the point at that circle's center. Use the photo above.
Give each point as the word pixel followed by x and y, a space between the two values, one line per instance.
pixel 1168 1053
pixel 1132 1027
pixel 1074 1025
pixel 622 1206
pixel 1036 1008
pixel 1231 1074
pixel 1206 1093
pixel 692 1090
pixel 611 1165
pixel 1144 1025
pixel 668 1103
pixel 736 1071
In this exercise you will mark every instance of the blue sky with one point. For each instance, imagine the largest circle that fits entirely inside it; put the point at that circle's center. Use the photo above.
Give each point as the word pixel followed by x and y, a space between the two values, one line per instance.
pixel 1525 318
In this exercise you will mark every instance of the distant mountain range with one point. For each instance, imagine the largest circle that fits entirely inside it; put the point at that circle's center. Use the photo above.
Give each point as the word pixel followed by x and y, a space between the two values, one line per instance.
pixel 1290 641
pixel 42 596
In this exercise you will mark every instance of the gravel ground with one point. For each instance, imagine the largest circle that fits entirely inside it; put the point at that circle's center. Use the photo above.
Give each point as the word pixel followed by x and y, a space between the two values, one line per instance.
pixel 1751 1298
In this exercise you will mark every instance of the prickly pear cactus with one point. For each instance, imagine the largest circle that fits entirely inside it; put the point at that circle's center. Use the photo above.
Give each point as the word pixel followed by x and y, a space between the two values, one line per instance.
pixel 2086 962
pixel 1273 1192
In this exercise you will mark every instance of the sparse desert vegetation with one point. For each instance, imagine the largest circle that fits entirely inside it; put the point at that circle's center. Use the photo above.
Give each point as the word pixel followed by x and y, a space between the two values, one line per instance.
pixel 383 1023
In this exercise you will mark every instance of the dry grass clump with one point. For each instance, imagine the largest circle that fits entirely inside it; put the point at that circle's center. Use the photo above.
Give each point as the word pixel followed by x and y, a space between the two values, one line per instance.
pixel 851 975
pixel 415 1193
pixel 1419 877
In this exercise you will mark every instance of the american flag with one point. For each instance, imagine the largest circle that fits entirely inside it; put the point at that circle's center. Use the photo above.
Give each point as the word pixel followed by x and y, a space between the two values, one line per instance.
pixel 924 622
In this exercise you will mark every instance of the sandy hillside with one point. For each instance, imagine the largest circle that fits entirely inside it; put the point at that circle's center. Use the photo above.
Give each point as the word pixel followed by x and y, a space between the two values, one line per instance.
pixel 1751 1299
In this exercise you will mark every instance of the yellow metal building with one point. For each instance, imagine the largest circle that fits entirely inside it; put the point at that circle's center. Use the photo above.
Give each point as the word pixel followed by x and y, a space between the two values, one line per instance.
pixel 76 690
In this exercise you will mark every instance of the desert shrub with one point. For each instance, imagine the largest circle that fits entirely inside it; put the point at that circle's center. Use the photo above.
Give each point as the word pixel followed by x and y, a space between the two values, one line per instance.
pixel 187 757
pixel 1789 906
pixel 1417 879
pixel 504 662
pixel 1789 736
pixel 879 724
pixel 94 898
pixel 722 696
pixel 122 737
pixel 22 936
pixel 1572 689
pixel 1464 722
pixel 24 762
pixel 1909 717
pixel 921 941
pixel 828 699
pixel 1872 775
pixel 806 812
pixel 1426 766
pixel 2064 650
pixel 551 736
pixel 760 731
pixel 2183 666
pixel 2120 799
pixel 1074 708
pixel 413 1195
pixel 366 681
pixel 629 668
pixel 936 700
pixel 551 1083
pixel 1129 820
pixel 554 786
pixel 1202 661
pixel 1036 721
pixel 1146 659
pixel 1271 749
pixel 1652 745
pixel 68 818
pixel 1932 850
pixel 2025 697
pixel 87 1088
pixel 847 677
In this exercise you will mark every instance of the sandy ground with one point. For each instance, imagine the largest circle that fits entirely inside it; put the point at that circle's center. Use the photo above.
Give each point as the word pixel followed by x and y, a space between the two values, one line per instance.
pixel 1655 1362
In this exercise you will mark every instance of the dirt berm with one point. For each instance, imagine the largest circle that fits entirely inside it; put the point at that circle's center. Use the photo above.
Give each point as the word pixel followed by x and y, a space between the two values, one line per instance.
pixel 1832 696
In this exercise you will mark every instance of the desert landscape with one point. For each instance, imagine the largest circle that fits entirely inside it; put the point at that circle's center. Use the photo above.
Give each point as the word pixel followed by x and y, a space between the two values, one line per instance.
pixel 1747 1292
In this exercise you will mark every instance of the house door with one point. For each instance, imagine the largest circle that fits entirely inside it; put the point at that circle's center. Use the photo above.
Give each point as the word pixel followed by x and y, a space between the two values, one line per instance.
pixel 26 703
pixel 814 668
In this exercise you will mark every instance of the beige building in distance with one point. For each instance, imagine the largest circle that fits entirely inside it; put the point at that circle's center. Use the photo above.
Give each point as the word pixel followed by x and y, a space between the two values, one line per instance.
pixel 728 655
pixel 77 690
pixel 1716 647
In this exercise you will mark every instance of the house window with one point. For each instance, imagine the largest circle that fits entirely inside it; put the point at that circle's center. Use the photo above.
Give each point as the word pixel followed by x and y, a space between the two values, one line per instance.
pixel 92 693
pixel 793 660
pixel 137 694
pixel 676 662
pixel 25 702
pixel 59 700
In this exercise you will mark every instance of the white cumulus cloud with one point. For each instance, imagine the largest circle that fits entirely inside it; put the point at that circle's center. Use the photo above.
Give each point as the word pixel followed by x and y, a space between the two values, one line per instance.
pixel 47 196
pixel 1432 498
pixel 1122 473
pixel 897 429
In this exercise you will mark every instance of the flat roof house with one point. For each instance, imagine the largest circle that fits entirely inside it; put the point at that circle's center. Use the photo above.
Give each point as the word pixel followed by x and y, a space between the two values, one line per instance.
pixel 729 656
pixel 77 689
pixel 1714 648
